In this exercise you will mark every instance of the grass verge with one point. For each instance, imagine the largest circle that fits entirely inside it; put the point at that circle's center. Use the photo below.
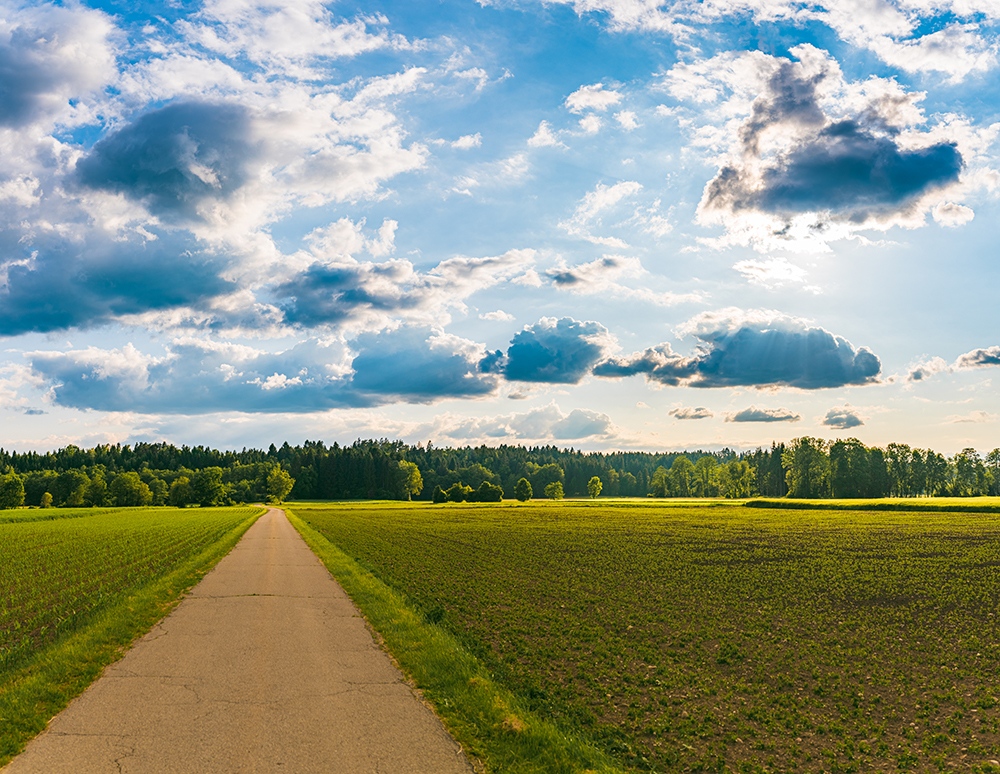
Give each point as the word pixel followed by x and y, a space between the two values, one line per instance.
pixel 38 688
pixel 491 723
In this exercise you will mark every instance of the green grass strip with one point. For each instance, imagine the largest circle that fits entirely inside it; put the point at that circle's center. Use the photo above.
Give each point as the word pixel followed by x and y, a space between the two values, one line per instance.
pixel 926 504
pixel 490 722
pixel 42 686
pixel 27 515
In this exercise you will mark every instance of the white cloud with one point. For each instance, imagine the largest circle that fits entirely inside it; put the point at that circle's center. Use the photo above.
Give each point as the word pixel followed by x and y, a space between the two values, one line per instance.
pixel 294 36
pixel 782 180
pixel 594 203
pixel 544 137
pixel 55 60
pixel 973 417
pixel 888 28
pixel 591 124
pixel 499 316
pixel 468 141
pixel 547 423
pixel 592 97
pixel 952 215
pixel 772 272
pixel 627 120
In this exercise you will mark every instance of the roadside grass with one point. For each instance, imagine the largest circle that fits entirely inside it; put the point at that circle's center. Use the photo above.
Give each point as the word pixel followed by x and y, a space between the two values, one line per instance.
pixel 714 639
pixel 37 685
pixel 494 726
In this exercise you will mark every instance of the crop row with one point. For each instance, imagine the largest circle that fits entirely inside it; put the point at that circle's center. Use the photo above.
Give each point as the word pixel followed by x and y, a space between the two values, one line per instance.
pixel 54 573
pixel 707 639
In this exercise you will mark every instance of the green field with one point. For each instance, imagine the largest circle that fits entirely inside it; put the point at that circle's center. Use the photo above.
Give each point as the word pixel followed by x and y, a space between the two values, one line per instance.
pixel 75 591
pixel 715 639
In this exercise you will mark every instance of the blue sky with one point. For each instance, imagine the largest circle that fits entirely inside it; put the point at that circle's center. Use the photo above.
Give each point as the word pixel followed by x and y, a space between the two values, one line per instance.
pixel 595 223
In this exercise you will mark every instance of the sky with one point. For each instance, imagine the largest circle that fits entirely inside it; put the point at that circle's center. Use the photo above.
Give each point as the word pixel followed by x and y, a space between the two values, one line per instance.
pixel 600 224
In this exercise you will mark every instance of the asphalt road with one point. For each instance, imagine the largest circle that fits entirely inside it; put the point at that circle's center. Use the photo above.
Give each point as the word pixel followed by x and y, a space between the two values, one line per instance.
pixel 266 666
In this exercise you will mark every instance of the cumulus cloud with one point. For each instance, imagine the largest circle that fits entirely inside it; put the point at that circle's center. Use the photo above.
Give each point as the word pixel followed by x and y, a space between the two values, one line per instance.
pixel 50 284
pixel 951 215
pixel 596 276
pixel 843 418
pixel 627 120
pixel 198 376
pixel 931 366
pixel 754 414
pixel 691 413
pixel 468 141
pixel 551 351
pixel 547 423
pixel 989 356
pixel 50 58
pixel 544 137
pixel 498 316
pixel 926 369
pixel 592 97
pixel 754 348
pixel 804 167
pixel 338 291
pixel 177 158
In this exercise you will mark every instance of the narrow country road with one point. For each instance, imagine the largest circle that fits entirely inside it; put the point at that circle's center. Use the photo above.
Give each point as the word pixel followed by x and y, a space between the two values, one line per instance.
pixel 266 666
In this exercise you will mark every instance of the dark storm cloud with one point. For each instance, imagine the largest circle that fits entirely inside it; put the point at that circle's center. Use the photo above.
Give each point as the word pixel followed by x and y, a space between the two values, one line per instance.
pixel 175 158
pixel 754 414
pixel 757 355
pixel 850 167
pixel 979 357
pixel 64 284
pixel 551 351
pixel 843 418
pixel 197 377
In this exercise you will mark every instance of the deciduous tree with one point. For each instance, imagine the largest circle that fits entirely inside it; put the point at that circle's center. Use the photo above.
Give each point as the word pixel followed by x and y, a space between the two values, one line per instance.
pixel 11 491
pixel 128 490
pixel 207 486
pixel 279 484
pixel 522 491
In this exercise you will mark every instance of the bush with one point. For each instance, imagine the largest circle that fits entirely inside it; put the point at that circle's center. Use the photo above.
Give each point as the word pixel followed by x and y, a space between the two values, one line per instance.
pixel 554 491
pixel 487 493
pixel 458 493
pixel 440 496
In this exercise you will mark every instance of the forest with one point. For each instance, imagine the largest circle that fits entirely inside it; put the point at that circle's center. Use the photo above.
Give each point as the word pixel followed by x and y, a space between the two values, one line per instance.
pixel 161 473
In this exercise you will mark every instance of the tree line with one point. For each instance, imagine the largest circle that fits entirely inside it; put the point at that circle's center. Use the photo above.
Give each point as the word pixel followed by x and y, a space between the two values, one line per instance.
pixel 116 474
